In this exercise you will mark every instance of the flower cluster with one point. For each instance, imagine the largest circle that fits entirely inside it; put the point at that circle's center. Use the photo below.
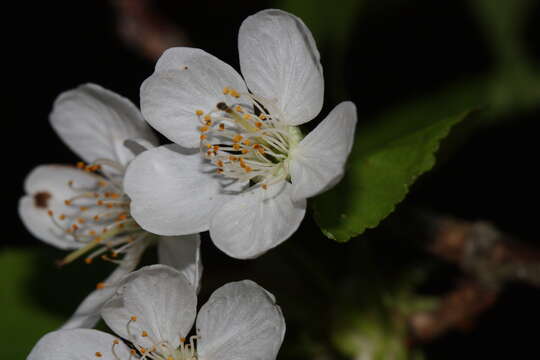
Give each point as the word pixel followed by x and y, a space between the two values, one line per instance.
pixel 239 167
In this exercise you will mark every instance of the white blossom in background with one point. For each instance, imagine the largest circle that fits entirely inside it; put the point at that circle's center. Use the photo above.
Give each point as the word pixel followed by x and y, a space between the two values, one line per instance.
pixel 240 166
pixel 154 309
pixel 83 208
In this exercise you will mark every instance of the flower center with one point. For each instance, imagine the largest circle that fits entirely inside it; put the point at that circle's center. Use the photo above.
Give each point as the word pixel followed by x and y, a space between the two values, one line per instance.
pixel 247 139
pixel 98 216
pixel 157 350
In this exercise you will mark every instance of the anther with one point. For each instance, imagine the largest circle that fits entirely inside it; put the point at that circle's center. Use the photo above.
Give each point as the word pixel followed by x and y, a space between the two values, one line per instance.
pixel 202 137
pixel 222 126
pixel 264 186
pixel 199 112
pixel 237 138
pixel 50 213
pixel 80 165
pixel 67 202
pixel 222 106
pixel 226 90
pixel 88 260
pixel 133 318
pixel 144 334
pixel 98 354
pixel 100 285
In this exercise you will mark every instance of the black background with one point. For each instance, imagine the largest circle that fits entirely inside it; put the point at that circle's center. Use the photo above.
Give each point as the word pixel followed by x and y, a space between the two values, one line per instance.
pixel 395 54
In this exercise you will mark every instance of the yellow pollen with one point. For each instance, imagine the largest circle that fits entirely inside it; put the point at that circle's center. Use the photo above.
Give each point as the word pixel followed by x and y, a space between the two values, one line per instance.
pixel 237 138
pixel 98 354
pixel 208 145
pixel 199 112
pixel 234 93
pixel 239 109
pixel 203 129
pixel 226 90
pixel 100 285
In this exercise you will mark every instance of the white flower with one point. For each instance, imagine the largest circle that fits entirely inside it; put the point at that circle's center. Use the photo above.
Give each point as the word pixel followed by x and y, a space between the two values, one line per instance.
pixel 155 308
pixel 84 208
pixel 250 186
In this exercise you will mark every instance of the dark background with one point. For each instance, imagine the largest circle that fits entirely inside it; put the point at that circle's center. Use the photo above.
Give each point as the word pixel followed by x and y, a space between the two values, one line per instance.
pixel 397 51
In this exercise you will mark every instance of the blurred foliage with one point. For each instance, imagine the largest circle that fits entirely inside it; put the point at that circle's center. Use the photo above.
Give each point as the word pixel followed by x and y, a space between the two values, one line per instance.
pixel 387 157
pixel 25 321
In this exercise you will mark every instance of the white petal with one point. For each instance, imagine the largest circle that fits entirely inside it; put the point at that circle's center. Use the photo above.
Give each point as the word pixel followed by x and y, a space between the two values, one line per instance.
pixel 78 344
pixel 184 254
pixel 240 321
pixel 186 80
pixel 89 311
pixel 318 162
pixel 280 61
pixel 47 188
pixel 255 221
pixel 94 122
pixel 163 301
pixel 170 195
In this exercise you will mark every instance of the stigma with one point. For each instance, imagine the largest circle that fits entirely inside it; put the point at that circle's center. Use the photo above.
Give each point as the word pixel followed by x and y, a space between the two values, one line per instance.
pixel 247 140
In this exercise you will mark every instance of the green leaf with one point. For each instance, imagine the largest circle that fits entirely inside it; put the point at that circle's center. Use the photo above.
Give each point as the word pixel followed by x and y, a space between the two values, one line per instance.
pixel 388 156
pixel 23 320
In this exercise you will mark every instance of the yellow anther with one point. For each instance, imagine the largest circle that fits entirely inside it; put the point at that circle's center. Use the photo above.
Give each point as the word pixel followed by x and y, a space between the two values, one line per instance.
pixel 203 128
pixel 142 350
pixel 81 220
pixel 202 137
pixel 133 318
pixel 199 112
pixel 208 145
pixel 122 216
pixel 109 206
pixel 208 118
pixel 116 342
pixel 182 339
pixel 83 208
pixel 92 233
pixel 262 117
pixel 67 202
pixel 102 183
pixel 233 158
pixel 62 217
pixel 144 334
pixel 234 93
pixel 237 138
pixel 99 203
pixel 246 142
pixel 247 169
pixel 75 227
pixel 219 163
pixel 245 151
pixel 98 354
pixel 236 147
pixel 100 285
pixel 96 218
pixel 114 254
pixel 226 90
pixel 259 124
pixel 215 147
pixel 97 239
pixel 80 165
pixel 114 195
pixel 239 109
pixel 88 260
pixel 133 352
pixel 246 116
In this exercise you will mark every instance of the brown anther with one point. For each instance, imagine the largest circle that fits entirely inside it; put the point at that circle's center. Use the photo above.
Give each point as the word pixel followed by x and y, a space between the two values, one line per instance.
pixel 219 163
pixel 114 254
pixel 102 183
pixel 144 334
pixel 70 183
pixel 142 350
pixel 122 216
pixel 99 203
pixel 221 126
pixel 67 202
pixel 81 220
pixel 88 260
pixel 97 239
pixel 207 119
pixel 246 116
pixel 62 217
pixel 98 354
pixel 247 169
pixel 120 226
pixel 202 137
pixel 259 124
pixel 83 208
pixel 182 339
pixel 237 138
pixel 92 233
pixel 110 206
pixel 215 147
pixel 96 218
pixel 114 195
pixel 50 213
pixel 222 106
pixel 262 117
pixel 264 186
pixel 235 93
pixel 116 342
pixel 133 352
pixel 80 165
pixel 232 158
pixel 219 171
pixel 75 227
pixel 133 318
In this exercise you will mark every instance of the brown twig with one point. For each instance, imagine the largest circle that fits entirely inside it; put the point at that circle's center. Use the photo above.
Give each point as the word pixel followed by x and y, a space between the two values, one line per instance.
pixel 490 257
pixel 144 29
